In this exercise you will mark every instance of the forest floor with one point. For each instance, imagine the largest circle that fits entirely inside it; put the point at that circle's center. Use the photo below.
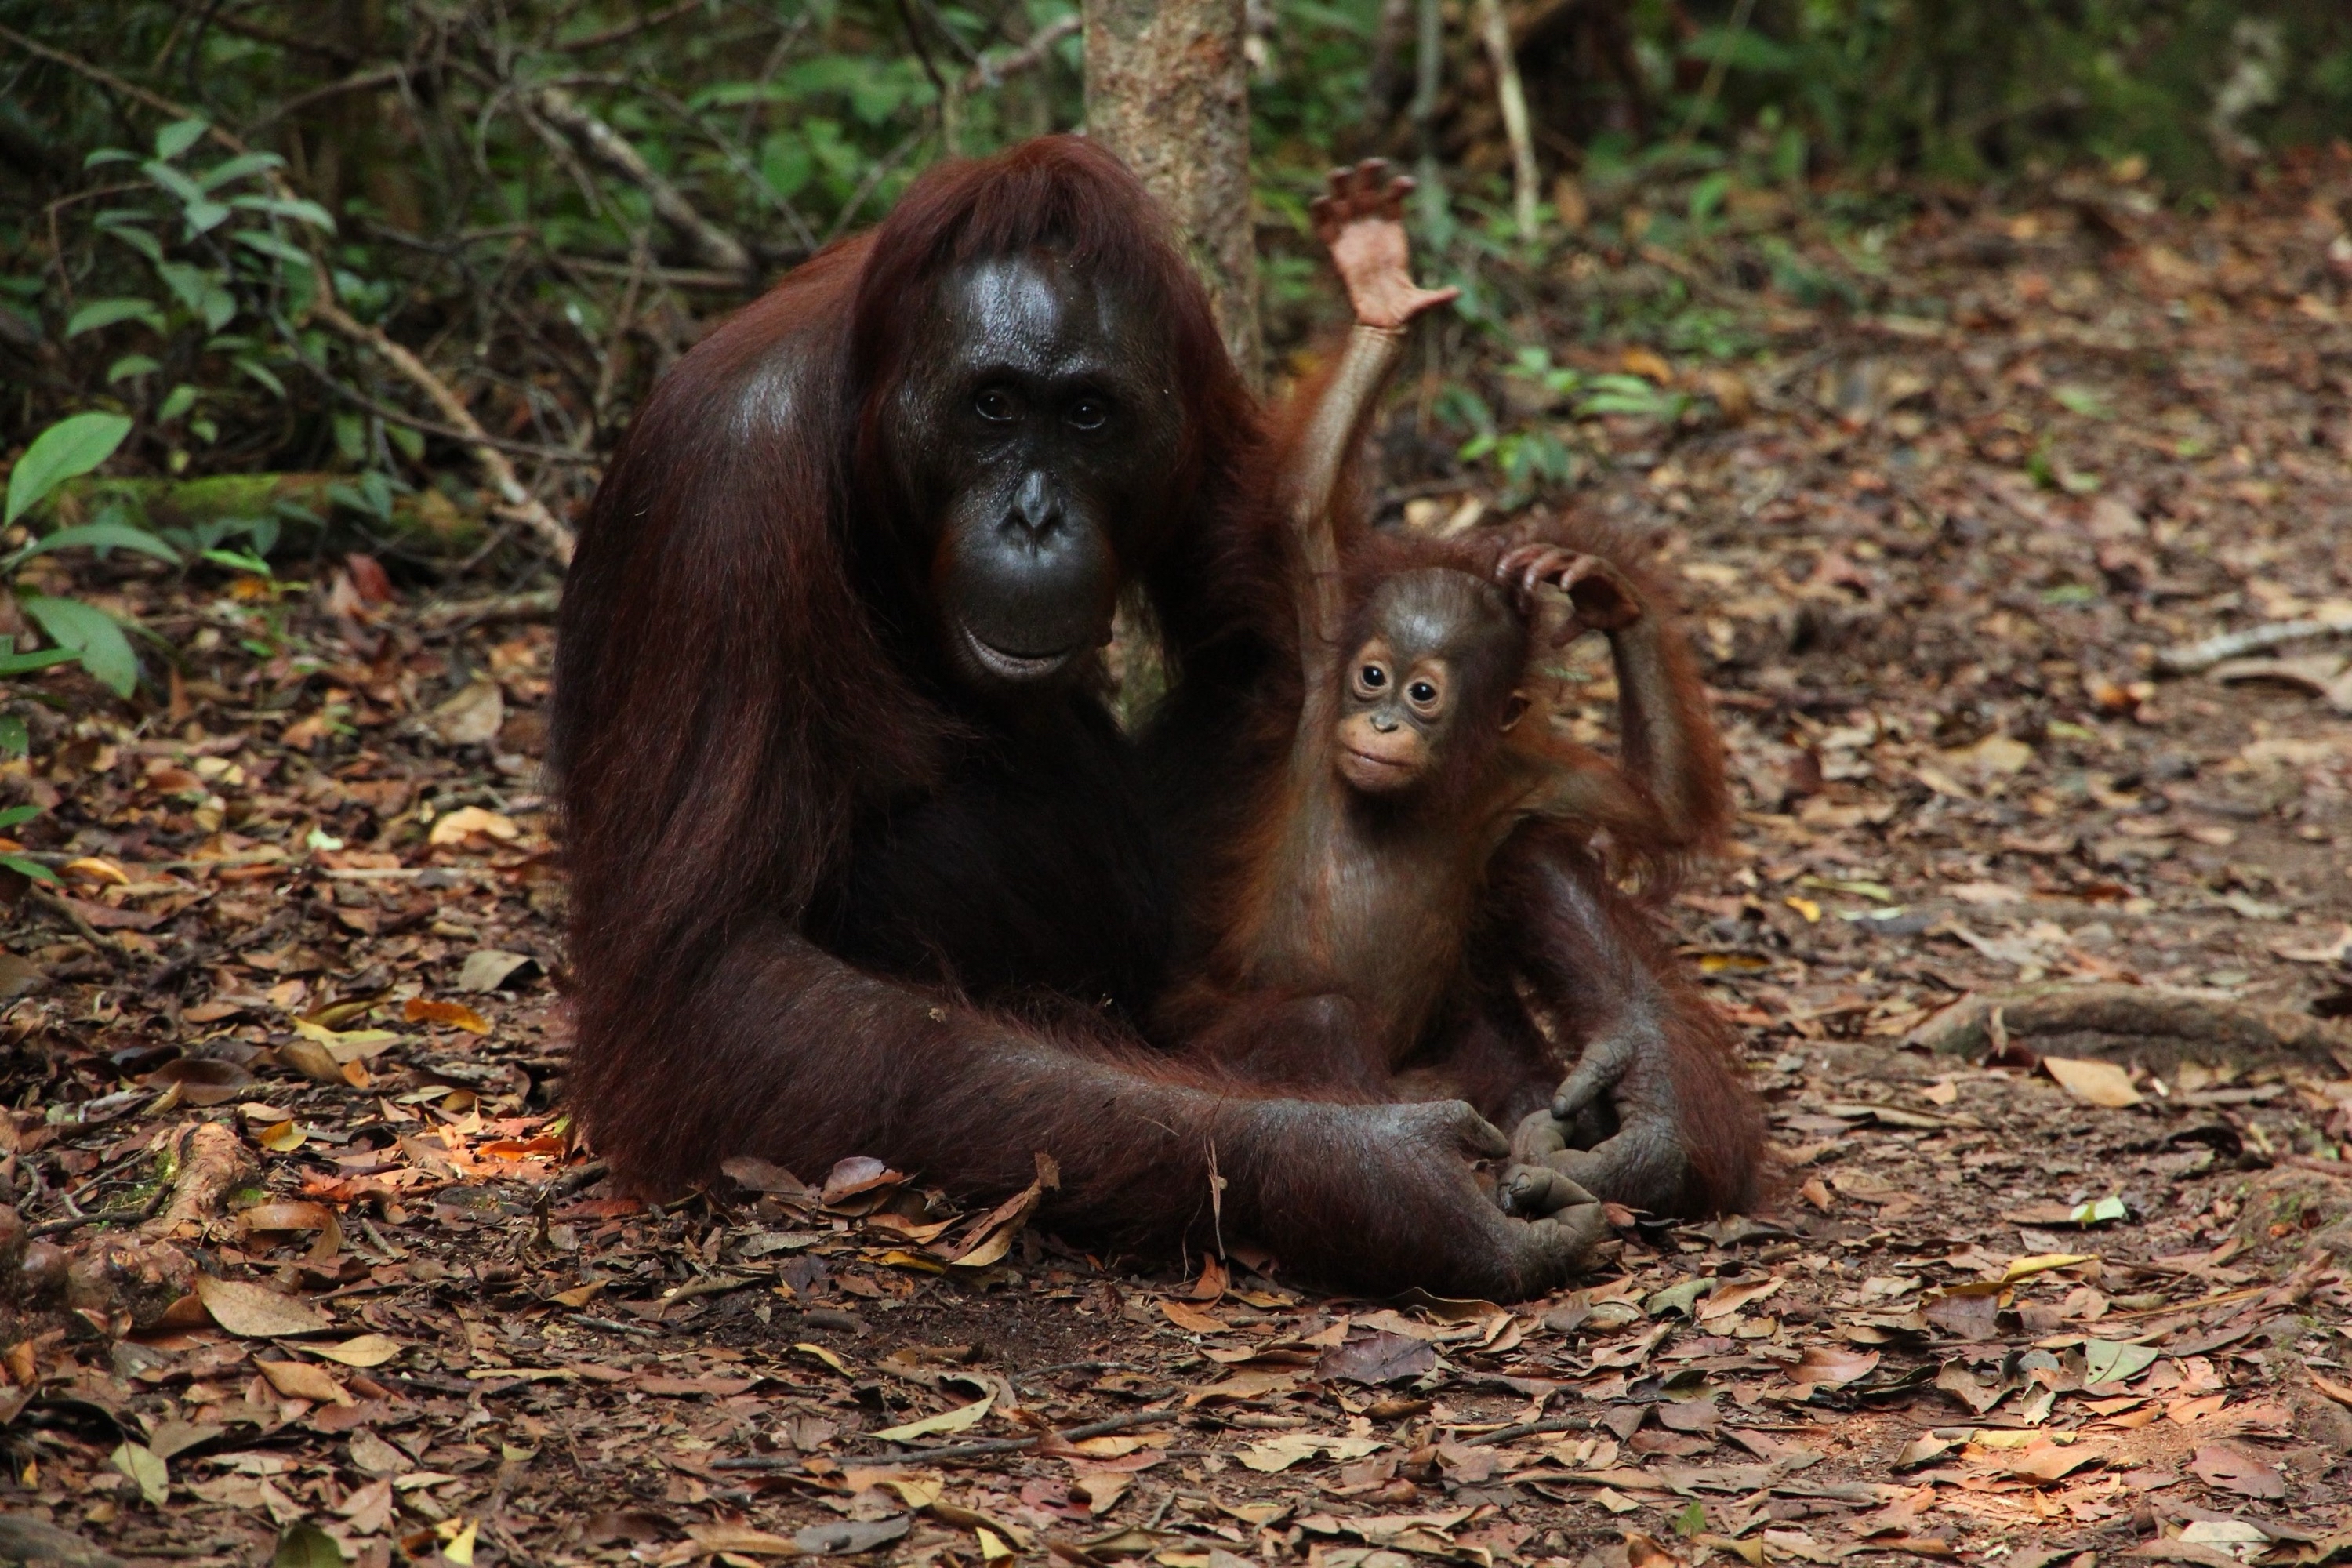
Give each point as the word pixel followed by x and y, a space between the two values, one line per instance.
pixel 2060 1290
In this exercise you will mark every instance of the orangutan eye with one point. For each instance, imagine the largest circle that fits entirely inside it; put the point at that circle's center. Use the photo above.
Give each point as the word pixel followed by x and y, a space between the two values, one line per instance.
pixel 995 404
pixel 1422 692
pixel 1089 414
pixel 1372 677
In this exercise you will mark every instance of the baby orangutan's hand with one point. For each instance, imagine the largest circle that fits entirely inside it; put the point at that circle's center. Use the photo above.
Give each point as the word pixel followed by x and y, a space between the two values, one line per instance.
pixel 1360 220
pixel 1601 598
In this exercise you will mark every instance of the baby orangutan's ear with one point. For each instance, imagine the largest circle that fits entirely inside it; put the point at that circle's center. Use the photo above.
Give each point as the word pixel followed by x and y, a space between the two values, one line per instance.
pixel 1515 710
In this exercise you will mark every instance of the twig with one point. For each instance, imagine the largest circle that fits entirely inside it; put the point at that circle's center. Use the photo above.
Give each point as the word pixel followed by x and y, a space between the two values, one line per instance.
pixel 974 1450
pixel 1716 71
pixel 2192 659
pixel 1494 32
pixel 1529 1429
pixel 872 182
pixel 536 604
pixel 140 1215
pixel 713 245
pixel 87 933
pixel 629 29
pixel 361 82
pixel 990 73
pixel 2339 1169
pixel 113 83
pixel 493 463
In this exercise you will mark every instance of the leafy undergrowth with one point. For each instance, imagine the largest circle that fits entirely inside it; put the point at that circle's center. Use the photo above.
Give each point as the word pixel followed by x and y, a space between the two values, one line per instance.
pixel 2054 1295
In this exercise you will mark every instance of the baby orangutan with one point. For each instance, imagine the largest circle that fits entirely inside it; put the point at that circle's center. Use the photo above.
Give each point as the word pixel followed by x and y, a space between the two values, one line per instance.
pixel 1416 752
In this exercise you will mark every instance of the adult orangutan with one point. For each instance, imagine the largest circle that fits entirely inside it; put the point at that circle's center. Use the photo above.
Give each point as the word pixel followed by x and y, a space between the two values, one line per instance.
pixel 860 863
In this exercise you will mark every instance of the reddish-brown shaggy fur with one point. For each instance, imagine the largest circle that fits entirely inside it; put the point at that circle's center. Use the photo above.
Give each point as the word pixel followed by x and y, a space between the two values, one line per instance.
pixel 748 700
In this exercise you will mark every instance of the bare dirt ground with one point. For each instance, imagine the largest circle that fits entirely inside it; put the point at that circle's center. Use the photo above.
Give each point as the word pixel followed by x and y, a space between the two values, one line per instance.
pixel 2075 1285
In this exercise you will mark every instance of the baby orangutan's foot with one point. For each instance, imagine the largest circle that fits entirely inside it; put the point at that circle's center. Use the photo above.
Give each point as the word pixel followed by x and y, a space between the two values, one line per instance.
pixel 1360 220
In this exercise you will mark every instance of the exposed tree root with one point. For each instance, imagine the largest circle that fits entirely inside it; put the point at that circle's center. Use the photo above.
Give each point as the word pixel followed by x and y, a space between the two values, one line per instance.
pixel 211 1163
pixel 2129 1022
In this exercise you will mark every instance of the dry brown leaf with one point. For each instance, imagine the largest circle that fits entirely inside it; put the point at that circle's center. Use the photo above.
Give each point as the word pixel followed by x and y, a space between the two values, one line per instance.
pixel 255 1312
pixel 300 1380
pixel 1192 1320
pixel 1833 1365
pixel 2233 1469
pixel 2092 1082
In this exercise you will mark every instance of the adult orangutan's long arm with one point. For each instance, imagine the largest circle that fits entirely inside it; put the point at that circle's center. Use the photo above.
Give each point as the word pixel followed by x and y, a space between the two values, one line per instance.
pixel 806 1061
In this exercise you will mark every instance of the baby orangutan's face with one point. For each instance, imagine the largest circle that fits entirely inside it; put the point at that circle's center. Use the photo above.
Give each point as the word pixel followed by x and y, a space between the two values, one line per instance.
pixel 1437 644
pixel 1393 724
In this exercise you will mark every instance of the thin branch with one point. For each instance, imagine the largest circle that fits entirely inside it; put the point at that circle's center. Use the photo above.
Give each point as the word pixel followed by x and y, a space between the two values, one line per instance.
pixel 624 31
pixel 988 73
pixel 516 498
pixel 363 82
pixel 107 79
pixel 2192 659
pixel 1716 71
pixel 1494 32
pixel 712 244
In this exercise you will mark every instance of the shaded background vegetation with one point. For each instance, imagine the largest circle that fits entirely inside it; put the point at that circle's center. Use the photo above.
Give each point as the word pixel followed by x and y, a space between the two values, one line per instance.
pixel 546 200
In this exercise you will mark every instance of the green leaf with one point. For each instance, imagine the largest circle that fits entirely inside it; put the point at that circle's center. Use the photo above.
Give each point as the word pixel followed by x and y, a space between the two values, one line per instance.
pixel 109 155
pixel 2109 1361
pixel 91 633
pixel 238 561
pixel 65 450
pixel 307 1546
pixel 145 1466
pixel 239 168
pixel 271 245
pixel 2087 400
pixel 260 372
pixel 14 740
pixel 26 663
pixel 101 313
pixel 185 190
pixel 130 365
pixel 137 239
pixel 99 536
pixel 17 815
pixel 186 283
pixel 295 207
pixel 17 863
pixel 179 136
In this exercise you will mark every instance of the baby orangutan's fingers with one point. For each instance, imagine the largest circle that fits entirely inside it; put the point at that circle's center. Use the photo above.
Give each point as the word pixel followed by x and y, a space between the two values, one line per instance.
pixel 1538 1135
pixel 1537 1192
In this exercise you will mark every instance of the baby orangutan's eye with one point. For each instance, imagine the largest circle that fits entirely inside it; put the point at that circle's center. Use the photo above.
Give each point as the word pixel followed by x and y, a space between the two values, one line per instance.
pixel 1371 678
pixel 1422 692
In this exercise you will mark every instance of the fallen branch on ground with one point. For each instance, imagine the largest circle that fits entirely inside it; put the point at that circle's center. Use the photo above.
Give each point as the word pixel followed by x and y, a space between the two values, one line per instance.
pixel 2111 1020
pixel 972 1450
pixel 2196 658
pixel 536 604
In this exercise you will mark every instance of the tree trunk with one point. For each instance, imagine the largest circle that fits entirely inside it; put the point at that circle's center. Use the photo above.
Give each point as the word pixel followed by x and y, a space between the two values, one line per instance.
pixel 1167 90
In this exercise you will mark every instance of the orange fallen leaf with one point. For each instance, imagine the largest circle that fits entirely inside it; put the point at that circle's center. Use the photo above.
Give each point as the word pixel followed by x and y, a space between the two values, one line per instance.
pixel 1192 1320
pixel 450 1014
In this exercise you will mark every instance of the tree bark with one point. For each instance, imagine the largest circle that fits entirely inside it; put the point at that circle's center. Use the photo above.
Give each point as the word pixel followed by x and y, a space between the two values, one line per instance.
pixel 1167 90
